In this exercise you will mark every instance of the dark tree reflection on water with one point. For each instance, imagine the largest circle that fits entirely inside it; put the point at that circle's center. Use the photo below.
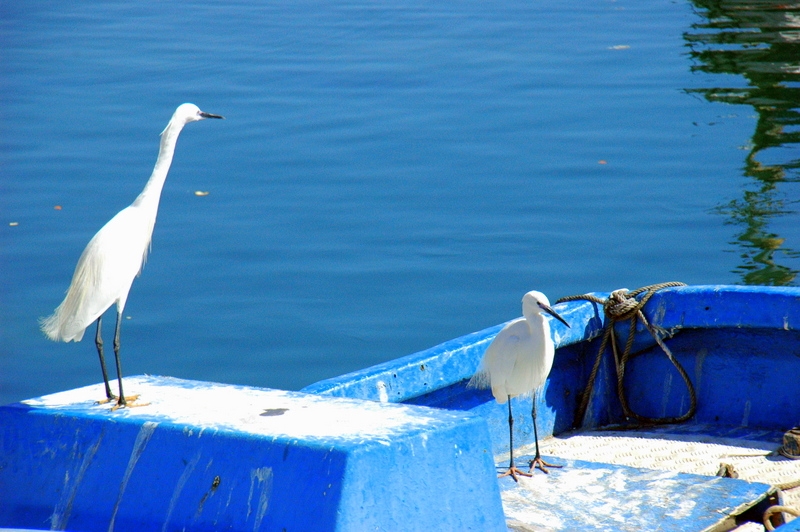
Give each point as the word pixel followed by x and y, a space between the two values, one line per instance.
pixel 760 41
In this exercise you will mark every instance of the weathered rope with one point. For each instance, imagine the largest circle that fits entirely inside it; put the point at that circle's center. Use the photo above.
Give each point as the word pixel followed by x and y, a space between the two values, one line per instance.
pixel 622 305
pixel 778 509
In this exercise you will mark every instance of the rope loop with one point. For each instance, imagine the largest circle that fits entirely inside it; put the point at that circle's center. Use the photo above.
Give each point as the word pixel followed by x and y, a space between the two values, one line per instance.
pixel 626 305
pixel 772 510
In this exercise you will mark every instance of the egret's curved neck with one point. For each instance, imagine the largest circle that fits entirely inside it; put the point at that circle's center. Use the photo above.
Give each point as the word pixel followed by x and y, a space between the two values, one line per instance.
pixel 152 190
pixel 539 328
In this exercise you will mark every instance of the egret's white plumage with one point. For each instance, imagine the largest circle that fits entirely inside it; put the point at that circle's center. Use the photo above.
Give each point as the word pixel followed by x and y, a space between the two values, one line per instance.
pixel 520 357
pixel 518 361
pixel 116 254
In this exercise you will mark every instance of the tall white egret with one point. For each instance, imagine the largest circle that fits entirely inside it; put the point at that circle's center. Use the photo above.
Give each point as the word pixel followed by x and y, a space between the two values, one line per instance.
pixel 518 362
pixel 116 255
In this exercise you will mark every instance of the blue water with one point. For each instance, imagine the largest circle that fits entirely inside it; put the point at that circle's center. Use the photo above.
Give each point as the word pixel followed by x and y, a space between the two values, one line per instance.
pixel 389 176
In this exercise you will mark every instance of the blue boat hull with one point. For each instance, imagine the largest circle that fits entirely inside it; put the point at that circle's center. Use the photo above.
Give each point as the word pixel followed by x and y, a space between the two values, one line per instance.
pixel 204 456
pixel 407 445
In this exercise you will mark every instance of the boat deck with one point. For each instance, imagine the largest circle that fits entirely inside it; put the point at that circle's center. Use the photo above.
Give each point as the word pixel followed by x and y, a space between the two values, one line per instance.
pixel 652 478
pixel 740 349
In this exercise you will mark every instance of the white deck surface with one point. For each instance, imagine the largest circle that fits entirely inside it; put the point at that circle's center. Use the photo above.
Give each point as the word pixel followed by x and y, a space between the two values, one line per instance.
pixel 690 451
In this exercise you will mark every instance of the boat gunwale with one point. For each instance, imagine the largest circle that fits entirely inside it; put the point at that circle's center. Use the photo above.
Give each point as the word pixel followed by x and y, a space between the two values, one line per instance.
pixel 671 309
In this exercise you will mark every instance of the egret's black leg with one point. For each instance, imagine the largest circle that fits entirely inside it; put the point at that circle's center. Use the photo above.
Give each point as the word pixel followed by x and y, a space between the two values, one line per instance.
pixel 510 436
pixel 512 470
pixel 535 433
pixel 98 341
pixel 121 401
pixel 537 460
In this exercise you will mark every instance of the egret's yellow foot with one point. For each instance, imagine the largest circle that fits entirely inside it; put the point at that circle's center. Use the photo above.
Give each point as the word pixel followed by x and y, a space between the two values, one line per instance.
pixel 538 463
pixel 513 472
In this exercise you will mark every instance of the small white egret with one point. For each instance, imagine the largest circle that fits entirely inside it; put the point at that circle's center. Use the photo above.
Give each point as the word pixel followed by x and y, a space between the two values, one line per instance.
pixel 518 362
pixel 116 255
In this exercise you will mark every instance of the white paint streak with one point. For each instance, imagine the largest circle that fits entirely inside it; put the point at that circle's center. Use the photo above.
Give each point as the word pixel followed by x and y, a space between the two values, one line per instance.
pixel 264 477
pixel 145 433
pixel 62 510
pixel 187 471
pixel 698 369
pixel 746 413
pixel 665 397
pixel 684 509
pixel 383 395
pixel 618 481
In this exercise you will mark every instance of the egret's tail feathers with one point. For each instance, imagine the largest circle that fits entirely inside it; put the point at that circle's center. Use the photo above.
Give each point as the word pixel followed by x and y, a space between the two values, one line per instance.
pixel 57 330
pixel 481 380
pixel 49 327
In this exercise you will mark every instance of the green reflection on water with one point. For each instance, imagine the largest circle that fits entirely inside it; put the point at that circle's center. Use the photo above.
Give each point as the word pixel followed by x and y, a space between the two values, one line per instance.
pixel 760 41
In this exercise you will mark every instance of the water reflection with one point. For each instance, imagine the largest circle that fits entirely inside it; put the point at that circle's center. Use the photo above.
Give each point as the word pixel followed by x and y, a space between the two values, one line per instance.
pixel 759 40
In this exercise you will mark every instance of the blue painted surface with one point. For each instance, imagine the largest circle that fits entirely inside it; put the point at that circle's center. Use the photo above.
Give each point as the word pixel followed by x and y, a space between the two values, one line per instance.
pixel 791 526
pixel 742 377
pixel 69 463
pixel 208 464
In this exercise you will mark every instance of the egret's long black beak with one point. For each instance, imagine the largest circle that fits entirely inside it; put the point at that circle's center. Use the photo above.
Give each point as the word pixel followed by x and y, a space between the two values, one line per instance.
pixel 209 115
pixel 553 313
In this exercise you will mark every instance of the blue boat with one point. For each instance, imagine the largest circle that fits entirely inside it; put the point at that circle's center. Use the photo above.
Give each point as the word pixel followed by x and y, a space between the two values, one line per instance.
pixel 694 435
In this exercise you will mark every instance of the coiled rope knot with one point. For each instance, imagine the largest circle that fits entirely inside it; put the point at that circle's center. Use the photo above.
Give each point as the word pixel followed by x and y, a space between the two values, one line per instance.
pixel 622 305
